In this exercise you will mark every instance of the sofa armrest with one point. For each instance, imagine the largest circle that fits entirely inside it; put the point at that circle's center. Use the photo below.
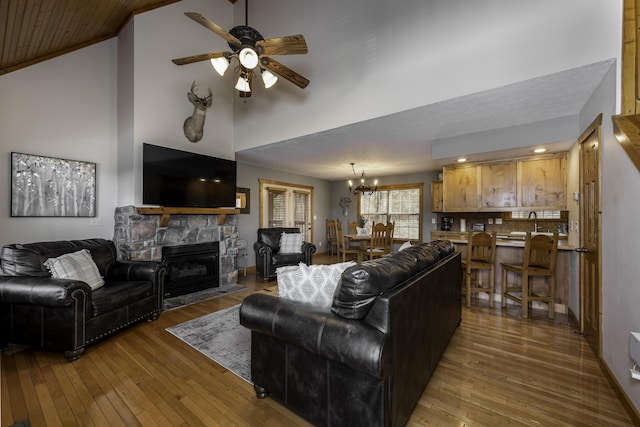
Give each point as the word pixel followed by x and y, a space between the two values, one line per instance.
pixel 137 270
pixel 350 342
pixel 262 249
pixel 308 249
pixel 45 291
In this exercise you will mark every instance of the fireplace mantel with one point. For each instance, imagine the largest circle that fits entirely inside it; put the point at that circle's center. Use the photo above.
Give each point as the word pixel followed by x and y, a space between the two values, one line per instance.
pixel 165 213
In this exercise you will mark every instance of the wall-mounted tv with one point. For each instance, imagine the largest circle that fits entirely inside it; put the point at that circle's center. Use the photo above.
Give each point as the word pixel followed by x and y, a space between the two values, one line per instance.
pixel 175 178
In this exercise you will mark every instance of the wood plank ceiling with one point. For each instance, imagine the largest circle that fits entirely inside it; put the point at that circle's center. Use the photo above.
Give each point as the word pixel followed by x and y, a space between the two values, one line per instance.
pixel 32 31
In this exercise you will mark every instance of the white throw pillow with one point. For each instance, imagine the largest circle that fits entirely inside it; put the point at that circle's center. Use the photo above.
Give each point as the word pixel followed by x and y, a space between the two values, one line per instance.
pixel 78 266
pixel 404 246
pixel 290 243
pixel 314 284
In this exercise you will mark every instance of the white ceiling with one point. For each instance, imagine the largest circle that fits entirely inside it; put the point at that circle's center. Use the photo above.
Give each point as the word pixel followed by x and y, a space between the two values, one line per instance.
pixel 402 143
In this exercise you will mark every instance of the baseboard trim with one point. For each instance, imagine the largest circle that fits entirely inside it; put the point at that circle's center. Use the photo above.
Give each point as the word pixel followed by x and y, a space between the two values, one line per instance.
pixel 619 391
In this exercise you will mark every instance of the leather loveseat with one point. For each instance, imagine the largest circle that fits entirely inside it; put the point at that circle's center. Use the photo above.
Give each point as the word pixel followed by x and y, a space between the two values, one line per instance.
pixel 368 360
pixel 65 314
pixel 268 254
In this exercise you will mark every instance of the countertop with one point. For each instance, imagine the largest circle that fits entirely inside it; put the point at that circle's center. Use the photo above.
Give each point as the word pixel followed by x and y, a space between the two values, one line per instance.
pixel 508 240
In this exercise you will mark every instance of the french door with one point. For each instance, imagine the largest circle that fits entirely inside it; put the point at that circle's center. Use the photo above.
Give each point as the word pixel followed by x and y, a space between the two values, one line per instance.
pixel 286 205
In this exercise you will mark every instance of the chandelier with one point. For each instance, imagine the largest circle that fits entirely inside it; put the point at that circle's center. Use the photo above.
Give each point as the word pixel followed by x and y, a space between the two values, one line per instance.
pixel 363 186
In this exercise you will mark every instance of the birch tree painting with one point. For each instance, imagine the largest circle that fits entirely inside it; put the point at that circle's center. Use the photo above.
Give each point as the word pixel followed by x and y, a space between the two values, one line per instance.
pixel 47 186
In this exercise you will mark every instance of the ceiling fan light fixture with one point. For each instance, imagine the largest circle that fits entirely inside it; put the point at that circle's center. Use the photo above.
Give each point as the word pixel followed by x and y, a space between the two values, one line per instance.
pixel 248 58
pixel 268 78
pixel 243 84
pixel 220 64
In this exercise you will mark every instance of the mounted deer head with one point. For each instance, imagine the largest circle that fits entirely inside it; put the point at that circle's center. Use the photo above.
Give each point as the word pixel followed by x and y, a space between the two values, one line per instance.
pixel 194 124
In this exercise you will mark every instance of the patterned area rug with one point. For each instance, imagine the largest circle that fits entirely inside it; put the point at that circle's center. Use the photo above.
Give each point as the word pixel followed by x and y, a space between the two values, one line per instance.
pixel 206 294
pixel 220 337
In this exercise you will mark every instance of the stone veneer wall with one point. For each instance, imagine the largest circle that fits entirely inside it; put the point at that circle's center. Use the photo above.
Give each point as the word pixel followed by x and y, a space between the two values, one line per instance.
pixel 140 237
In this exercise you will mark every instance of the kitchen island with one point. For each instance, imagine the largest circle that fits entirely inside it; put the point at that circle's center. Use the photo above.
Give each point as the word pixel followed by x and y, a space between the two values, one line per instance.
pixel 509 249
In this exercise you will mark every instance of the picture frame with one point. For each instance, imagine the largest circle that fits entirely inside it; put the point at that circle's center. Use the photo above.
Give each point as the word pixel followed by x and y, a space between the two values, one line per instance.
pixel 44 186
pixel 243 199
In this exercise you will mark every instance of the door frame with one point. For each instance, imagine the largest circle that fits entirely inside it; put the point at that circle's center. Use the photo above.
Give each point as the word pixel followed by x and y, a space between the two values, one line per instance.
pixel 594 127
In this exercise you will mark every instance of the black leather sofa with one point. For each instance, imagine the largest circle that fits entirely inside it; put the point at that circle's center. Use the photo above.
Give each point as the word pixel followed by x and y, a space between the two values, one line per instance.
pixel 268 256
pixel 67 315
pixel 368 360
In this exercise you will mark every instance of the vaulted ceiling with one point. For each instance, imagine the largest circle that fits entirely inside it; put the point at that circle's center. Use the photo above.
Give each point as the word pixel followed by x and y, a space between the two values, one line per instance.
pixel 33 31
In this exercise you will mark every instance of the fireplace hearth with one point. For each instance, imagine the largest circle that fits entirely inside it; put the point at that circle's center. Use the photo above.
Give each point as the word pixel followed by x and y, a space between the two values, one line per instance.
pixel 191 268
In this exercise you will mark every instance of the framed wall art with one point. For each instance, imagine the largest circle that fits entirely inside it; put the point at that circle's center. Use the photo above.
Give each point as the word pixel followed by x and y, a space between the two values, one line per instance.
pixel 51 187
pixel 242 200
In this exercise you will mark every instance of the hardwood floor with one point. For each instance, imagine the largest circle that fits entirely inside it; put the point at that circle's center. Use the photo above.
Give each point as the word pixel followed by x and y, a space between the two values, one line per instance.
pixel 498 370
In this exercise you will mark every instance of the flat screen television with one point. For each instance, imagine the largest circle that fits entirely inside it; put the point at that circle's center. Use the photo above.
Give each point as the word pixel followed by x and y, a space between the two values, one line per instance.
pixel 175 178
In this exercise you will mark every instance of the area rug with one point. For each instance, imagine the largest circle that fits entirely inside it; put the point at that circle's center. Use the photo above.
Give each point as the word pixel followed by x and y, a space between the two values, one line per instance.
pixel 220 337
pixel 206 294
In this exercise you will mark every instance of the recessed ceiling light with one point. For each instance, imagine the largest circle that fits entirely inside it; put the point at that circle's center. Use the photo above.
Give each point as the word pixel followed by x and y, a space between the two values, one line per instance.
pixel 462 160
pixel 539 150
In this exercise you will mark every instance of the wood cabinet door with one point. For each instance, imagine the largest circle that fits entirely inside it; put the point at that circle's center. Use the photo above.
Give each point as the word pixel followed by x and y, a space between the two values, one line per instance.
pixel 437 196
pixel 461 189
pixel 544 183
pixel 498 183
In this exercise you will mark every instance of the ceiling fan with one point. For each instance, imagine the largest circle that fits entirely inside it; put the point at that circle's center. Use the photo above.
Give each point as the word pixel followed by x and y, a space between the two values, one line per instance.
pixel 252 51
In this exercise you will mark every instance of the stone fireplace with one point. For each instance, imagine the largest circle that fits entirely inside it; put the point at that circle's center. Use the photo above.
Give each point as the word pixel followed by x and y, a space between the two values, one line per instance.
pixel 142 236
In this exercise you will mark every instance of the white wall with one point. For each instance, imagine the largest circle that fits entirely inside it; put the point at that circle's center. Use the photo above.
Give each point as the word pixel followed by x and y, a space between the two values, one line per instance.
pixel 620 268
pixel 64 107
pixel 369 58
pixel 158 104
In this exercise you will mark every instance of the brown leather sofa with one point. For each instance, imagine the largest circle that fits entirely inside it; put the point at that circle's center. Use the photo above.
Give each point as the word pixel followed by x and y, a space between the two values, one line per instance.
pixel 67 315
pixel 269 257
pixel 368 360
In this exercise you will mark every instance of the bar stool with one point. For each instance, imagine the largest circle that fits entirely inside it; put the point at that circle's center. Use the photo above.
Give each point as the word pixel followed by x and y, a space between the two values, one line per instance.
pixel 538 259
pixel 481 255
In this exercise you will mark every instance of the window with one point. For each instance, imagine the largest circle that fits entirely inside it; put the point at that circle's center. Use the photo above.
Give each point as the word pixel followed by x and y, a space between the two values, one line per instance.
pixel 286 205
pixel 399 203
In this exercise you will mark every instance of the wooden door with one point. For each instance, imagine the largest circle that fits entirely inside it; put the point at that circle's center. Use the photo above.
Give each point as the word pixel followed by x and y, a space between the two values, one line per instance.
pixel 590 214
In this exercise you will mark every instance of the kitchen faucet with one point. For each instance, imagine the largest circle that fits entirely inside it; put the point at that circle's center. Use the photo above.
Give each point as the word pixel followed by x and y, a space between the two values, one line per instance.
pixel 535 220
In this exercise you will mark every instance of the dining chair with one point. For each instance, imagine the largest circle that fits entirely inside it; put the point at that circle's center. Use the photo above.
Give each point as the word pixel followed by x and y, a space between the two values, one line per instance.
pixel 390 230
pixel 538 259
pixel 344 248
pixel 481 256
pixel 378 243
pixel 331 236
pixel 352 228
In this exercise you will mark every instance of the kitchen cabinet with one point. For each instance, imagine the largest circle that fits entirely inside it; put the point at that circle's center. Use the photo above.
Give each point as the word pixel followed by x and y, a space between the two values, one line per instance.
pixel 518 185
pixel 461 189
pixel 498 185
pixel 437 196
pixel 543 183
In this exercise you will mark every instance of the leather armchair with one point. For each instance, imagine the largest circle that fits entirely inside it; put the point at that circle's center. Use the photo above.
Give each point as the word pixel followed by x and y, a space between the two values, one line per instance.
pixel 67 315
pixel 268 256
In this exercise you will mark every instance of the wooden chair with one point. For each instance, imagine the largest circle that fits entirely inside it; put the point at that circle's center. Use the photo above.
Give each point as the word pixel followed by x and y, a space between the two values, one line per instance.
pixel 378 243
pixel 331 236
pixel 352 228
pixel 390 229
pixel 481 255
pixel 538 259
pixel 343 248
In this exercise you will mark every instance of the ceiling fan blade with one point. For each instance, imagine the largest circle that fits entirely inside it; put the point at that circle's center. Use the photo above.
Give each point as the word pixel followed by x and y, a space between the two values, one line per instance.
pixel 285 72
pixel 198 58
pixel 287 45
pixel 205 22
